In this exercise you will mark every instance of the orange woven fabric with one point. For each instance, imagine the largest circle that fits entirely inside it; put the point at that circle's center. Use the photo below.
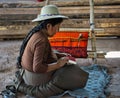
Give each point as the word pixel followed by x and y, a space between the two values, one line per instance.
pixel 71 42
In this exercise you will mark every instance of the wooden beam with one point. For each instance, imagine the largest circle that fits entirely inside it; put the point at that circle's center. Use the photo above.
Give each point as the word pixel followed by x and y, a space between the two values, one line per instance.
pixel 63 10
pixel 75 17
pixel 24 29
pixel 59 3
pixel 72 23
pixel 99 54
pixel 99 23
pixel 100 32
pixel 84 2
pixel 28 27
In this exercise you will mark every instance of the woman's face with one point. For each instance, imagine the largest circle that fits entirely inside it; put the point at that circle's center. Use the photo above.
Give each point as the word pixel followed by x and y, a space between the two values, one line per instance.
pixel 52 29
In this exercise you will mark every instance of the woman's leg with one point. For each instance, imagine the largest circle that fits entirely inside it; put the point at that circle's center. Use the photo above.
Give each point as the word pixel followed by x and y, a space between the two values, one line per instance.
pixel 35 79
pixel 67 78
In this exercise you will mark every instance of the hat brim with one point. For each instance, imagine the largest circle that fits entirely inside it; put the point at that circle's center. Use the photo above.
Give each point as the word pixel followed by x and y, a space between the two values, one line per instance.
pixel 41 18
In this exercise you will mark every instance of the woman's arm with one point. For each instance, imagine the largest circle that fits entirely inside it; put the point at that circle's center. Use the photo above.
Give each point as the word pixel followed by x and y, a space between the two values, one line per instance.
pixel 60 63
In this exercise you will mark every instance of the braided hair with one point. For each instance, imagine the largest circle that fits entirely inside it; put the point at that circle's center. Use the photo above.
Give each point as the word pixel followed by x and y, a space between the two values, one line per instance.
pixel 40 26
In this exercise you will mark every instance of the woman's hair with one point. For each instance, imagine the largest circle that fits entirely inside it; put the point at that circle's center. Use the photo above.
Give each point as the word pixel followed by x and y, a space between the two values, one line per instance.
pixel 53 22
pixel 40 26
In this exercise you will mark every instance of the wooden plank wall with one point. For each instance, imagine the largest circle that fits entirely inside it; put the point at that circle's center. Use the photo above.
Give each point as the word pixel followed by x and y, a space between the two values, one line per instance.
pixel 15 18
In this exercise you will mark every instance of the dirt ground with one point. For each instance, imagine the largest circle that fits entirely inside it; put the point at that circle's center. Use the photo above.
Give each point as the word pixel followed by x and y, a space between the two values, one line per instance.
pixel 9 52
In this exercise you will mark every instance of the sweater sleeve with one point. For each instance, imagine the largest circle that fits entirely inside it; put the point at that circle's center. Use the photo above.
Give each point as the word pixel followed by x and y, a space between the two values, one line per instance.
pixel 38 65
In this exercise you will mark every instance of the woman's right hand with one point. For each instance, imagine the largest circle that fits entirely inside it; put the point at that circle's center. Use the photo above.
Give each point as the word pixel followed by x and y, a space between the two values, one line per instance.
pixel 62 61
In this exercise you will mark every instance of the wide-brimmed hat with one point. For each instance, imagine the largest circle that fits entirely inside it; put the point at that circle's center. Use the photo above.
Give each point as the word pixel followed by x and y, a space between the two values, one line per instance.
pixel 49 12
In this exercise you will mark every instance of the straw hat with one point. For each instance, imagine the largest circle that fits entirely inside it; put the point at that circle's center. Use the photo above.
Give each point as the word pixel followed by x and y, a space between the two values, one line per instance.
pixel 49 12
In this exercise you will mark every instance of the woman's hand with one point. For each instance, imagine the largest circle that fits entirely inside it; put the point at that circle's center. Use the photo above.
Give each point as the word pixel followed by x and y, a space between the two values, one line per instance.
pixel 62 61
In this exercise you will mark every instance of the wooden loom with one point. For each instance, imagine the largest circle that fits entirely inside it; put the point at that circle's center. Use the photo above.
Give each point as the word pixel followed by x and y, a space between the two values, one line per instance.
pixel 75 42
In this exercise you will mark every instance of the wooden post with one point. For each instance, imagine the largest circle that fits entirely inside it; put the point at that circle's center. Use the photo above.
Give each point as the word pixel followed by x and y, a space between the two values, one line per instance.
pixel 47 2
pixel 92 33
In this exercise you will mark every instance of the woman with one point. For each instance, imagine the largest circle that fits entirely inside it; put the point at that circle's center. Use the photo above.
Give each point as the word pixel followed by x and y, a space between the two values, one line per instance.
pixel 39 61
pixel 38 57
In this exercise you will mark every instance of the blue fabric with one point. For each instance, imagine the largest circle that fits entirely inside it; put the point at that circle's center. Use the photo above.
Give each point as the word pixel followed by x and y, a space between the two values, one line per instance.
pixel 96 84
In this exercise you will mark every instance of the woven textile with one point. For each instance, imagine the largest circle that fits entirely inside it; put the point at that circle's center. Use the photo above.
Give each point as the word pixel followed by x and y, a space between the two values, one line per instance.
pixel 96 85
pixel 74 43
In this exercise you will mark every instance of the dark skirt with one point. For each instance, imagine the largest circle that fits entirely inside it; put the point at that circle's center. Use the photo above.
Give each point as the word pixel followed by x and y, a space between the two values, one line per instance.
pixel 35 79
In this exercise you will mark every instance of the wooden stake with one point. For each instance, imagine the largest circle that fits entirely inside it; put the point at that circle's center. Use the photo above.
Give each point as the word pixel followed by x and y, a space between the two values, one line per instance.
pixel 47 2
pixel 92 33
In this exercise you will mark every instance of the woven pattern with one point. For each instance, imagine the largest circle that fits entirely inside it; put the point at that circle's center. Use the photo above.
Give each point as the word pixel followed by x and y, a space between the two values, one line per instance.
pixel 74 43
pixel 96 86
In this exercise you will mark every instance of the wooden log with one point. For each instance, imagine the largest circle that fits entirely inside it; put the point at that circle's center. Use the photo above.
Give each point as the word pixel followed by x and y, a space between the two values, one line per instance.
pixel 72 23
pixel 84 2
pixel 85 10
pixel 59 3
pixel 24 29
pixel 99 32
pixel 16 16
pixel 99 54
pixel 21 36
pixel 109 32
pixel 63 10
pixel 9 37
pixel 99 23
pixel 11 18
pixel 29 27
